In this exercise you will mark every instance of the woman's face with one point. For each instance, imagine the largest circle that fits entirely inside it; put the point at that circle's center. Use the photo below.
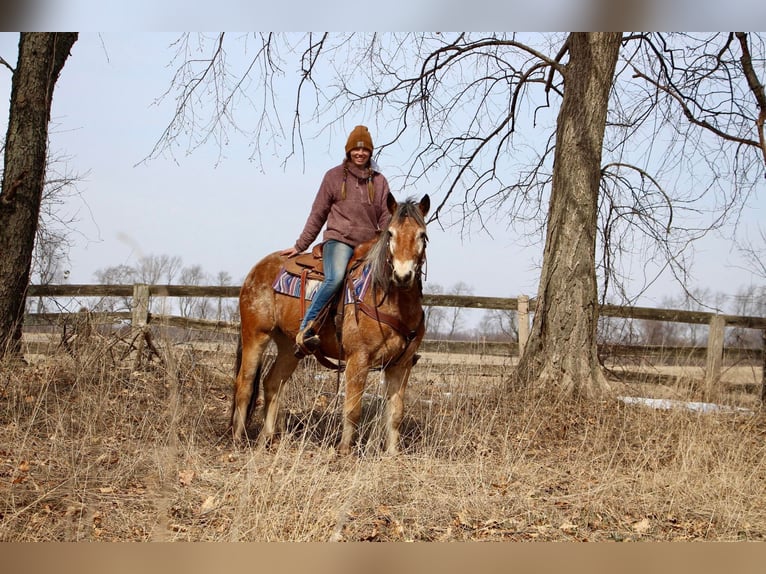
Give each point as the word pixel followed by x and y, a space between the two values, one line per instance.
pixel 360 156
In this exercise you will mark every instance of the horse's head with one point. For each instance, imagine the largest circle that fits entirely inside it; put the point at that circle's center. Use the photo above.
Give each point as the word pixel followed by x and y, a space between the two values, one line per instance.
pixel 407 240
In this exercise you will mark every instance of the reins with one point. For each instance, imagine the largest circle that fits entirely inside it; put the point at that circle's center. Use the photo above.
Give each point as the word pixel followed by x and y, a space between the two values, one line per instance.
pixel 395 323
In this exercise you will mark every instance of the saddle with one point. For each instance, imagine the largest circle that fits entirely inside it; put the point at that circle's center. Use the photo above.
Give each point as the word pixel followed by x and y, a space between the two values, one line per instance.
pixel 307 265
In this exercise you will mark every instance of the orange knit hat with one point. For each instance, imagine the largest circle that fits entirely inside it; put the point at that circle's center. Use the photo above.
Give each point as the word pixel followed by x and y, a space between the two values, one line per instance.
pixel 359 137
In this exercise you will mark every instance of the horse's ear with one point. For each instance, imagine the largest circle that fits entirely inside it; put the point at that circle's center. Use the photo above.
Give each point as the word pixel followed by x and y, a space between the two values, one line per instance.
pixel 391 203
pixel 425 205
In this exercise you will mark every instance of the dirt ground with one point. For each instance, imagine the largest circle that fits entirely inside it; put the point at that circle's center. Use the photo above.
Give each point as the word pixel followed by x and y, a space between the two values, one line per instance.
pixel 93 448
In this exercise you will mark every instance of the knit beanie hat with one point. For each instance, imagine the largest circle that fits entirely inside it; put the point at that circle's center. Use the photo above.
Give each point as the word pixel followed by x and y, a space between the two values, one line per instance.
pixel 359 137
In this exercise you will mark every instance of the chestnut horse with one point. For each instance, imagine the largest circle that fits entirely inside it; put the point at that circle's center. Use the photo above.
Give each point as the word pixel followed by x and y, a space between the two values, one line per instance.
pixel 381 329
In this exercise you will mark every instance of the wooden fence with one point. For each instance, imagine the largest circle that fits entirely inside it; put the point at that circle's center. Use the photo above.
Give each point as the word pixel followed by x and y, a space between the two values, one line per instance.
pixel 140 295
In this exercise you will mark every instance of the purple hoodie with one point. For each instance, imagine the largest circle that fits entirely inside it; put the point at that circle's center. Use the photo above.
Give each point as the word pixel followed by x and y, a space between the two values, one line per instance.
pixel 352 220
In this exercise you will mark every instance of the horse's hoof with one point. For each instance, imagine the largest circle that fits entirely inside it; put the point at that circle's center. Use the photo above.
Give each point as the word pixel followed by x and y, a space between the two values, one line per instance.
pixel 238 444
pixel 269 444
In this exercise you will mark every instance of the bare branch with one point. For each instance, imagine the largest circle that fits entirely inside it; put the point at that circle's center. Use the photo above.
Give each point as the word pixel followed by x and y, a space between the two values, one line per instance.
pixel 481 136
pixel 644 174
pixel 755 253
pixel 7 65
pixel 208 93
pixel 690 116
pixel 755 86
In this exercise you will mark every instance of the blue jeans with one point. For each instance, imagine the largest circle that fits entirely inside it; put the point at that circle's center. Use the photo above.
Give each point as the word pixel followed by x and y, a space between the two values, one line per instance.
pixel 335 258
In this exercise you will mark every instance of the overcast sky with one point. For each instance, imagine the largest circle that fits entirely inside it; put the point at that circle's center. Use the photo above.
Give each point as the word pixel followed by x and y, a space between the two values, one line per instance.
pixel 225 215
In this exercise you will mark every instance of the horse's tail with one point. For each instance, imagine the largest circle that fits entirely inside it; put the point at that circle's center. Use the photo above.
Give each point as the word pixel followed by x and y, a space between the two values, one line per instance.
pixel 238 360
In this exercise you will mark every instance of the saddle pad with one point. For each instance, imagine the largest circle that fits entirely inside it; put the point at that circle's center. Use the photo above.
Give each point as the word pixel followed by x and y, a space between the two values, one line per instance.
pixel 361 284
pixel 289 284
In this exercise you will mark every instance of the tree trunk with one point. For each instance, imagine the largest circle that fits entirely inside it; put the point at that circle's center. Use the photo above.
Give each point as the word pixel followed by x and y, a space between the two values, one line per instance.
pixel 41 58
pixel 561 352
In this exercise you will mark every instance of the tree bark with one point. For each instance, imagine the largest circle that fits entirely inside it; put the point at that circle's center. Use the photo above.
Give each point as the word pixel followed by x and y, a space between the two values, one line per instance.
pixel 561 353
pixel 41 58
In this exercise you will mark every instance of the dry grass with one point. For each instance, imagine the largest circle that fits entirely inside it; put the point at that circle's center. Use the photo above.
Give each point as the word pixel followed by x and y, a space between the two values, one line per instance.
pixel 92 450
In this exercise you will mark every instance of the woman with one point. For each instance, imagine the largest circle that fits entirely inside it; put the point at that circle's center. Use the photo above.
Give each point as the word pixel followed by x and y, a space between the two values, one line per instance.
pixel 352 202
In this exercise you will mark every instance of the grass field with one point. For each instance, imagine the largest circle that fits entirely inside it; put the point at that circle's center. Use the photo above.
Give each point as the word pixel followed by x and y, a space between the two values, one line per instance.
pixel 93 449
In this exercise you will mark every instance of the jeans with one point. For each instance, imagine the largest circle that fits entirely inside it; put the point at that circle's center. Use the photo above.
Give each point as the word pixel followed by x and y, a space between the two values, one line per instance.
pixel 335 258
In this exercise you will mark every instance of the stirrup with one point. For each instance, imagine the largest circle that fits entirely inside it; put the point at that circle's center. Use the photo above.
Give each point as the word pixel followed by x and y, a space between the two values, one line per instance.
pixel 306 342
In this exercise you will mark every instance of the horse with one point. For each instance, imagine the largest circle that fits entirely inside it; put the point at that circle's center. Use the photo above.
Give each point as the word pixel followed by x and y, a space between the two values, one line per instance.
pixel 381 328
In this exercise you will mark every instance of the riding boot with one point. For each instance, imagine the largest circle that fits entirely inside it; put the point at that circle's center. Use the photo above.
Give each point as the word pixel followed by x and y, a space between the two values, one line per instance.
pixel 306 341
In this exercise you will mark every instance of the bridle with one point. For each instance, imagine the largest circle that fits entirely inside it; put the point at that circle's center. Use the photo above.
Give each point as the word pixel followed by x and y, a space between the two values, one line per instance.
pixel 374 312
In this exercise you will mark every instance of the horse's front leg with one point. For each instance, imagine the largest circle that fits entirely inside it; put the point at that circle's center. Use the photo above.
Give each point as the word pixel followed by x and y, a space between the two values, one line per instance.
pixel 396 383
pixel 356 377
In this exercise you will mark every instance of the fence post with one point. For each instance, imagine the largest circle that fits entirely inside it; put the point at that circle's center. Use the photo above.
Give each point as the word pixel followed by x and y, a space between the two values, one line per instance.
pixel 714 353
pixel 523 320
pixel 140 319
pixel 140 306
pixel 763 370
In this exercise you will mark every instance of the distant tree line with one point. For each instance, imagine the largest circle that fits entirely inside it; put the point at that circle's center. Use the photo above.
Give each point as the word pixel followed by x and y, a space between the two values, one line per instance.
pixel 748 301
pixel 502 325
pixel 156 270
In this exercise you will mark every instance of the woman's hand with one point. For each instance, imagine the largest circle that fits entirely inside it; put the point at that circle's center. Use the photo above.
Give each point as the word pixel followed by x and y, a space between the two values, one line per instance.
pixel 291 252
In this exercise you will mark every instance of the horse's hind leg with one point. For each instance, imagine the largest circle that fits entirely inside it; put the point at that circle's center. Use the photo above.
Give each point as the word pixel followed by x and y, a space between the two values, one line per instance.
pixel 246 383
pixel 280 372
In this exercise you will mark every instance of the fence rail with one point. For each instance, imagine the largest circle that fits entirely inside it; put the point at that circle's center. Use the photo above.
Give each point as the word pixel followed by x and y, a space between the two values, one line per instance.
pixel 431 300
pixel 141 294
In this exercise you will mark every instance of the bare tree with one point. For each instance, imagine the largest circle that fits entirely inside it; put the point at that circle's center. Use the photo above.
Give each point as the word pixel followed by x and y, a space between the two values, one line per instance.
pixel 51 249
pixel 53 239
pixel 225 309
pixel 660 333
pixel 193 306
pixel 434 316
pixel 116 275
pixel 610 146
pixel 749 300
pixel 686 130
pixel 500 323
pixel 454 316
pixel 149 269
pixel 157 269
pixel 755 253
pixel 41 58
pixel 561 351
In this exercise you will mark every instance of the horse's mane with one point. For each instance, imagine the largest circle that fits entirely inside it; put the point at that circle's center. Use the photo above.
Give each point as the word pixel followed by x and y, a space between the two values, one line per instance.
pixel 377 257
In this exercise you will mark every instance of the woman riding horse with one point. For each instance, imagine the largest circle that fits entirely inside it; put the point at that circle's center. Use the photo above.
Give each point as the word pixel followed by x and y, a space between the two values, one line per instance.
pixel 352 202
pixel 382 325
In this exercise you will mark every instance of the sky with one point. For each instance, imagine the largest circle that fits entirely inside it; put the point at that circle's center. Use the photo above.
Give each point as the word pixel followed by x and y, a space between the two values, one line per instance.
pixel 225 215
pixel 402 15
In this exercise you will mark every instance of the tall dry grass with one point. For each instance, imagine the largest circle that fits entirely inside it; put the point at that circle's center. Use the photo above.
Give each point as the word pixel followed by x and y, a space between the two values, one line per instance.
pixel 91 449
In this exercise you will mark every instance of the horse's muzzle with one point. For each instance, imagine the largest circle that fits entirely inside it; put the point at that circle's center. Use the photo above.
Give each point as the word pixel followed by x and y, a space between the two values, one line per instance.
pixel 403 280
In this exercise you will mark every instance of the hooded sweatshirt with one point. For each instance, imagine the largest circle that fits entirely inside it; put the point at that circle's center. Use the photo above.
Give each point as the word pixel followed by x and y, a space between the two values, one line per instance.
pixel 352 220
